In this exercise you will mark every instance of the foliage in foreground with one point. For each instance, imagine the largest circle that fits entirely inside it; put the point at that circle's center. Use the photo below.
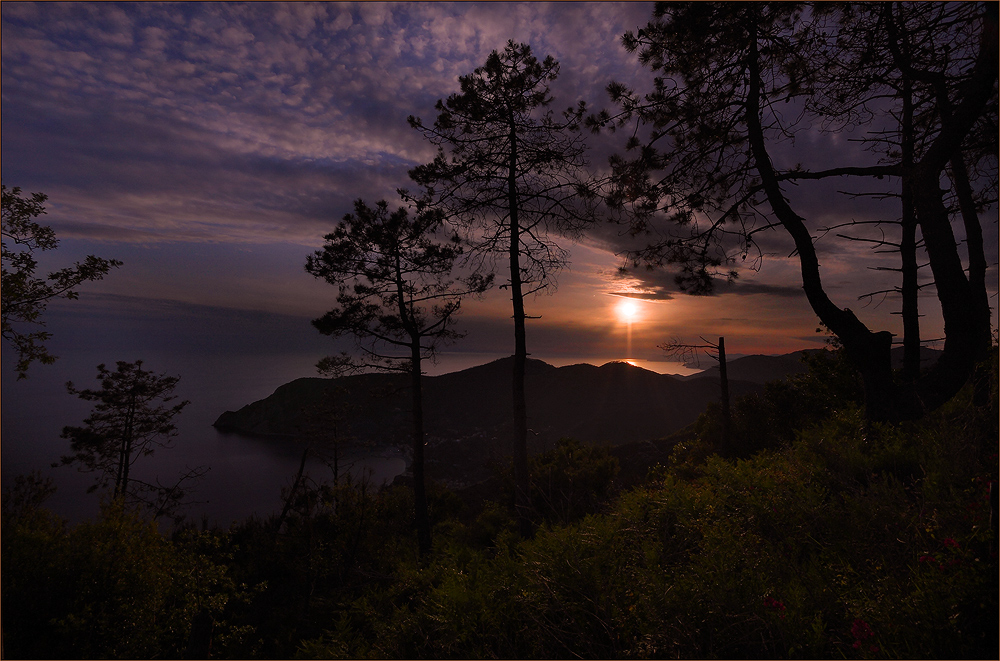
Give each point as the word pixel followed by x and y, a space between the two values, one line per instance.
pixel 851 540
pixel 846 540
pixel 113 588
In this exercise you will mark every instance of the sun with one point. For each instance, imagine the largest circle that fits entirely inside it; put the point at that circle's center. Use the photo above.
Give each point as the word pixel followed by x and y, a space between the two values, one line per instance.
pixel 628 310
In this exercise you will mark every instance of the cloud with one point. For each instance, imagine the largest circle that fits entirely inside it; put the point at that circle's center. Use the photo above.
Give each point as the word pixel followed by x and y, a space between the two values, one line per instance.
pixel 658 295
pixel 117 324
pixel 228 124
pixel 242 121
pixel 745 288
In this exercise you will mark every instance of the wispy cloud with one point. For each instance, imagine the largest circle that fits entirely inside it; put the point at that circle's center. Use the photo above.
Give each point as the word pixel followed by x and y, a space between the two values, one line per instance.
pixel 232 124
pixel 222 121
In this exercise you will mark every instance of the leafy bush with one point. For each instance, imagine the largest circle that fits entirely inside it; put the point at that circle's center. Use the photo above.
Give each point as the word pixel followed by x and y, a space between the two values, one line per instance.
pixel 851 540
pixel 112 588
pixel 567 482
pixel 771 418
pixel 570 481
pixel 335 541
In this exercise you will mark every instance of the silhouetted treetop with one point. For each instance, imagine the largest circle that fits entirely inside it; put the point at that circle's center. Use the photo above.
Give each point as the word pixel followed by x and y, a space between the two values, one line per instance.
pixel 26 296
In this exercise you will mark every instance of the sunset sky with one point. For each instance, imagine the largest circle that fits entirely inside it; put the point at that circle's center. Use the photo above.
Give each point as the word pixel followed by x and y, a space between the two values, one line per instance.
pixel 211 146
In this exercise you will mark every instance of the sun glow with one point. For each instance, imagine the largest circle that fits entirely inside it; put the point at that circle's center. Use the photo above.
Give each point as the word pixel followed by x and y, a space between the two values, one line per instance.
pixel 628 310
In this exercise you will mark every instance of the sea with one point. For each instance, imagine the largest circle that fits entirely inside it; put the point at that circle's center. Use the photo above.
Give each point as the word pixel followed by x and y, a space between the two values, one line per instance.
pixel 245 474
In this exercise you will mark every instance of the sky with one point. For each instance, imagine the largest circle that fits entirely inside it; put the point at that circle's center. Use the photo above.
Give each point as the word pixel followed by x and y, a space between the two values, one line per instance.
pixel 210 147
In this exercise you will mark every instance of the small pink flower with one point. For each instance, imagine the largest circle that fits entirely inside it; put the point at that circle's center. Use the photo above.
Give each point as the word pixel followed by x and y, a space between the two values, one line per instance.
pixel 860 630
pixel 771 602
pixel 948 541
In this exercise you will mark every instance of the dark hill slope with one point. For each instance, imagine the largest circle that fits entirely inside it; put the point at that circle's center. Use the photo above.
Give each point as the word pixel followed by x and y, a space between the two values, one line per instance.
pixel 757 368
pixel 616 403
pixel 761 369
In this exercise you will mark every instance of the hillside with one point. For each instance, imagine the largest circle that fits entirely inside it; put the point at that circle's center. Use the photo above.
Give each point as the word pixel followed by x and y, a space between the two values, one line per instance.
pixel 614 404
pixel 757 368
pixel 761 369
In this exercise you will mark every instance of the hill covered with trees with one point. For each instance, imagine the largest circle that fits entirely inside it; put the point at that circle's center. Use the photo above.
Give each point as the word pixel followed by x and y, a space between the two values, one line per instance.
pixel 614 403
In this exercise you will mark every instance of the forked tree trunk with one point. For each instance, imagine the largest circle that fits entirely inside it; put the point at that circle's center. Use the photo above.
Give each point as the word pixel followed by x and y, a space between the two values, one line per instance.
pixel 870 351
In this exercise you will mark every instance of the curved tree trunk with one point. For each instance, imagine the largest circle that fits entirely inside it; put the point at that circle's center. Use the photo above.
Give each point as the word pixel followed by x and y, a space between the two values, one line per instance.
pixel 965 322
pixel 869 351
pixel 958 307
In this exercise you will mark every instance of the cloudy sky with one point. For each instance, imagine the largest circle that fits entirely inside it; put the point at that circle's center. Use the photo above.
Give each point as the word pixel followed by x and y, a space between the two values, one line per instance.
pixel 211 146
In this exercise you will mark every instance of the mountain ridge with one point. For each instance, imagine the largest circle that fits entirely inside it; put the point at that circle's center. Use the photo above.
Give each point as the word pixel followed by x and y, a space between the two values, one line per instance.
pixel 760 368
pixel 613 403
pixel 467 413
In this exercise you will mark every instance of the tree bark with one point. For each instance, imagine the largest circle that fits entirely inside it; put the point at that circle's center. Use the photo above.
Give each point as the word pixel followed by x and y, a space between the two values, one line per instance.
pixel 727 418
pixel 962 323
pixel 977 276
pixel 908 245
pixel 125 454
pixel 520 408
pixel 419 488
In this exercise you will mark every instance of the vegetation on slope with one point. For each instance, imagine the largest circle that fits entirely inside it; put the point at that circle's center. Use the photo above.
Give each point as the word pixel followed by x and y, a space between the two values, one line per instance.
pixel 826 537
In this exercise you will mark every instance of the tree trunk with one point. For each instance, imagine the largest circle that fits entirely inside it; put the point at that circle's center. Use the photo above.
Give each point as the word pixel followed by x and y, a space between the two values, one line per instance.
pixel 868 351
pixel 977 275
pixel 965 311
pixel 419 489
pixel 291 492
pixel 976 256
pixel 520 421
pixel 410 324
pixel 962 322
pixel 125 454
pixel 727 419
pixel 908 246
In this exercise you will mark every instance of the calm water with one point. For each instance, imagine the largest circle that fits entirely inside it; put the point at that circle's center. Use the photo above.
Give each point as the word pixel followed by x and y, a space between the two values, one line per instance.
pixel 246 474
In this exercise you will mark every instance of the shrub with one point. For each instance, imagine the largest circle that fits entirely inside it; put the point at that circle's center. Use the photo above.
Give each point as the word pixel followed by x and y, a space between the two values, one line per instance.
pixel 111 588
pixel 853 541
